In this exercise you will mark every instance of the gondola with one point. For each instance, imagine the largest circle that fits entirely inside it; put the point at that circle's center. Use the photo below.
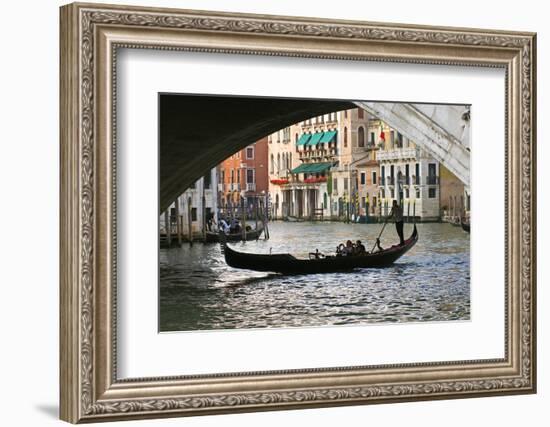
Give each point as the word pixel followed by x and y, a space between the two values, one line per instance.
pixel 214 237
pixel 318 263
pixel 465 225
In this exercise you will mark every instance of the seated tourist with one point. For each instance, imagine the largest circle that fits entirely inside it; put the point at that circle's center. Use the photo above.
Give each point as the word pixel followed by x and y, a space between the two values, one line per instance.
pixel 360 248
pixel 224 226
pixel 348 250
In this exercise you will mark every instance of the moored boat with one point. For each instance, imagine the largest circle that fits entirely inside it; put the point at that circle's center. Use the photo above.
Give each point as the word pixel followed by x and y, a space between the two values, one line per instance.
pixel 317 263
pixel 214 237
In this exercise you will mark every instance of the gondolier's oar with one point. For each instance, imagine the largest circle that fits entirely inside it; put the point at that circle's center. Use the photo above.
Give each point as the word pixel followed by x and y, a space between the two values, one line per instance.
pixel 381 231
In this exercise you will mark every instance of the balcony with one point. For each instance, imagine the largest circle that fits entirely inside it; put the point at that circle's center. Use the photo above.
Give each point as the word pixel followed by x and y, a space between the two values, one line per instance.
pixel 397 154
pixel 250 186
pixel 235 187
pixel 390 180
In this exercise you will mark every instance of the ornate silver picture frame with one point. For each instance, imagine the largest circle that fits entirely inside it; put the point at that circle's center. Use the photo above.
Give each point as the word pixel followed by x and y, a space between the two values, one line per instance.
pixel 91 34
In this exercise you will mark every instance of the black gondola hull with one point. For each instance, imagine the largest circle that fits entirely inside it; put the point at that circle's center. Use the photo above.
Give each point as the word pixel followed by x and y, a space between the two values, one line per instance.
pixel 288 264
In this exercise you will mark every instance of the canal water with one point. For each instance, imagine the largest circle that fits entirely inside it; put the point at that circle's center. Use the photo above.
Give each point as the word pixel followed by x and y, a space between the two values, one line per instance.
pixel 198 291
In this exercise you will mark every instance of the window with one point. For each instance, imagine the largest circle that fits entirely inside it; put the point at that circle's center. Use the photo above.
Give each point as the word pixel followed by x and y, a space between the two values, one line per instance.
pixel 250 153
pixel 193 214
pixel 371 138
pixel 360 113
pixel 406 193
pixel 345 183
pixel 418 194
pixel 272 170
pixel 392 193
pixel 392 139
pixel 238 173
pixel 232 176
pixel 431 193
pixel 399 140
pixel 207 180
pixel 278 162
pixel 345 114
pixel 345 137
pixel 335 184
pixel 363 178
pixel 361 136
pixel 250 176
pixel 374 177
pixel 432 177
pixel 382 193
pixel 286 135
pixel 325 198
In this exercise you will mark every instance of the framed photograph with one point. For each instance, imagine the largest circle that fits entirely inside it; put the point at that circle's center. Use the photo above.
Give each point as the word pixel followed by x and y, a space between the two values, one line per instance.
pixel 267 212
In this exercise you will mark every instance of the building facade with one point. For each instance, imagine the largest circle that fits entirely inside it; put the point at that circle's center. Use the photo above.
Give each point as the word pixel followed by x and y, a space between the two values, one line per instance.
pixel 407 174
pixel 243 177
pixel 188 215
pixel 350 166
pixel 313 173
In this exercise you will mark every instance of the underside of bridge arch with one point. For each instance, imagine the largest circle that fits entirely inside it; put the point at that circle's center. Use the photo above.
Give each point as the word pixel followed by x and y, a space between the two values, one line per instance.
pixel 198 132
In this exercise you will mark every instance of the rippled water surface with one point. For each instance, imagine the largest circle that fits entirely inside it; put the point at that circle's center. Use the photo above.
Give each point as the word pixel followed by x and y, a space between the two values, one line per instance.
pixel 431 282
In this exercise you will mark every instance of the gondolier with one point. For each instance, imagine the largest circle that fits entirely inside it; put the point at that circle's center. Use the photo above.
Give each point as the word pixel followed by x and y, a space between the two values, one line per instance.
pixel 397 214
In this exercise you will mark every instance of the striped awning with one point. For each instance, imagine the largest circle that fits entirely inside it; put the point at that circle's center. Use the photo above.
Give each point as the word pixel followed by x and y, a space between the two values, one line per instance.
pixel 315 138
pixel 328 136
pixel 303 139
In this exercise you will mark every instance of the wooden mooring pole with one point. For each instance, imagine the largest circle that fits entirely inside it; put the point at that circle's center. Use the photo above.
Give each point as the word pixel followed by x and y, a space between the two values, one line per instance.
pixel 190 220
pixel 167 227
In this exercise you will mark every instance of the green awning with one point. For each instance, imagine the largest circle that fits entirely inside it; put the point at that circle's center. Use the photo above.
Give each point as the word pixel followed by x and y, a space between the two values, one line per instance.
pixel 328 136
pixel 315 138
pixel 303 139
pixel 312 167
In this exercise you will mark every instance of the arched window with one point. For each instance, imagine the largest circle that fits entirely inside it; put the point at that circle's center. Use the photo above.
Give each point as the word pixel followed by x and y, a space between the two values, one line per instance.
pixel 361 136
pixel 279 163
pixel 272 170
pixel 345 137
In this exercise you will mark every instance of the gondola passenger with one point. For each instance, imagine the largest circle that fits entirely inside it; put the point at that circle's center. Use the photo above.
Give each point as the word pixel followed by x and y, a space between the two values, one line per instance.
pixel 360 248
pixel 349 249
pixel 224 226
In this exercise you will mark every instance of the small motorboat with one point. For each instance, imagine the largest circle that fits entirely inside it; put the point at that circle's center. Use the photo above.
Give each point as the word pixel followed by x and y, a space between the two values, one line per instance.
pixel 317 262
